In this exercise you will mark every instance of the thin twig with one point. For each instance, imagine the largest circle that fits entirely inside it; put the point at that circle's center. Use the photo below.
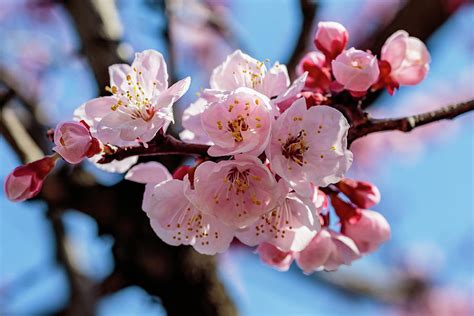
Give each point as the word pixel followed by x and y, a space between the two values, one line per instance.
pixel 406 124
pixel 161 145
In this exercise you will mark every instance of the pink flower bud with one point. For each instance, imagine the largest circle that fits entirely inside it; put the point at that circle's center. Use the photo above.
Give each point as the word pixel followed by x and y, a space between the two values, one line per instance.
pixel 327 251
pixel 369 231
pixel 274 257
pixel 74 142
pixel 26 181
pixel 363 194
pixel 408 57
pixel 356 70
pixel 331 39
pixel 319 76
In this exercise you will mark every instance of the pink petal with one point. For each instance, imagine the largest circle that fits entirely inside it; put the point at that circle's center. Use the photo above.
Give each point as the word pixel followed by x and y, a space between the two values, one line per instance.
pixel 394 49
pixel 148 172
pixel 118 76
pixel 173 93
pixel 98 108
pixel 235 72
pixel 275 81
pixel 153 68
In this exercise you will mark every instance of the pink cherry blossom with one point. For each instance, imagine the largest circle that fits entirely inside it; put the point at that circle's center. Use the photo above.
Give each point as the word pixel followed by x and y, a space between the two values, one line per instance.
pixel 309 146
pixel 290 226
pixel 361 193
pixel 271 255
pixel 26 181
pixel 331 38
pixel 74 142
pixel 235 191
pixel 141 102
pixel 327 251
pixel 240 122
pixel 241 70
pixel 408 57
pixel 356 70
pixel 178 222
pixel 368 230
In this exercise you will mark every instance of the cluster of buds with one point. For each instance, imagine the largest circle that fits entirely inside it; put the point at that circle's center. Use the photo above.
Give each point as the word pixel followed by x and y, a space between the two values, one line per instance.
pixel 277 155
pixel 73 142
pixel 332 68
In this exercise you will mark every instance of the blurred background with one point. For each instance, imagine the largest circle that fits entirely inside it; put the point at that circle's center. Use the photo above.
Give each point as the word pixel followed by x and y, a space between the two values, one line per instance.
pixel 84 246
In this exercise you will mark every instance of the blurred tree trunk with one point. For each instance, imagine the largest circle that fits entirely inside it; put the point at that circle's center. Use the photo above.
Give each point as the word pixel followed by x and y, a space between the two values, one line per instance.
pixel 185 281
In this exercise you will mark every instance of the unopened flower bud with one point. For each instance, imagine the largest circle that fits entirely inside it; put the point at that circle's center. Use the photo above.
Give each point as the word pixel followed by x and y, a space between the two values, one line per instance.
pixel 361 193
pixel 331 39
pixel 26 181
pixel 356 70
pixel 368 231
pixel 408 57
pixel 74 142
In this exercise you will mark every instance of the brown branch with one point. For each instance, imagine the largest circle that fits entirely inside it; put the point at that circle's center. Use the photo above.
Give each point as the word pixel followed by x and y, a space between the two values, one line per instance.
pixel 308 12
pixel 161 145
pixel 406 124
pixel 361 123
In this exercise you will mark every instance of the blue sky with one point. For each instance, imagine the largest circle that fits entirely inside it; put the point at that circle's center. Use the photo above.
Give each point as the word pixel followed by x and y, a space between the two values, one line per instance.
pixel 428 201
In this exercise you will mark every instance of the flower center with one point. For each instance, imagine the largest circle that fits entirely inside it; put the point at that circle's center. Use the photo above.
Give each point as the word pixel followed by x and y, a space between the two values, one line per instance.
pixel 238 180
pixel 356 64
pixel 133 101
pixel 236 127
pixel 295 147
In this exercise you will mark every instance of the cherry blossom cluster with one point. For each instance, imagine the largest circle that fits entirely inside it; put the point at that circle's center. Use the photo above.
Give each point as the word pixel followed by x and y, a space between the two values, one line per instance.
pixel 277 150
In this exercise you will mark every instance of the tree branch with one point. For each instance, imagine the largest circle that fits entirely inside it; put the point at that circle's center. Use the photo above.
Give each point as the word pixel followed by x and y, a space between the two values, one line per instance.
pixel 161 145
pixel 361 123
pixel 406 124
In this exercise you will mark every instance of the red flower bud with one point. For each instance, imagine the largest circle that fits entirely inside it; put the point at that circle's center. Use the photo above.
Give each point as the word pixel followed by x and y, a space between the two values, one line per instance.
pixel 26 181
pixel 363 194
